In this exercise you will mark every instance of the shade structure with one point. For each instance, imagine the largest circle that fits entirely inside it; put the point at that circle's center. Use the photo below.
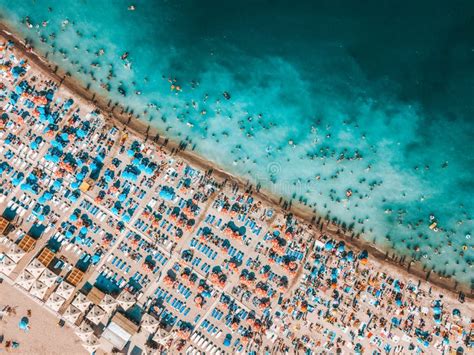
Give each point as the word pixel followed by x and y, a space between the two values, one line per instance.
pixel 96 314
pixel 25 280
pixel 7 265
pixel 36 268
pixel 81 302
pixel 126 299
pixel 65 290
pixel 48 277
pixel 15 253
pixel 38 289
pixel 108 303
pixel 71 314
pixel 55 302
pixel 149 323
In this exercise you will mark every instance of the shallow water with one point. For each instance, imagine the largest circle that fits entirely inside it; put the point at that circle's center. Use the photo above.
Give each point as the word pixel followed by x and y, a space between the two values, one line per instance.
pixel 374 98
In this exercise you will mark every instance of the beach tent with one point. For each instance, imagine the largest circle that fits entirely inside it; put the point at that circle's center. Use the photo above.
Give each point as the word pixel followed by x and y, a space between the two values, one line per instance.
pixel 25 280
pixel 48 277
pixel 126 299
pixel 149 323
pixel 71 314
pixel 96 314
pixel 81 302
pixel 38 289
pixel 15 253
pixel 35 268
pixel 65 290
pixel 108 303
pixel 6 265
pixel 55 302
pixel 84 331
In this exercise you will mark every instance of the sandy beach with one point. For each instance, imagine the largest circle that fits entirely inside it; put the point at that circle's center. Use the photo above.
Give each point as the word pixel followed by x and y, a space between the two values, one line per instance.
pixel 386 257
pixel 44 335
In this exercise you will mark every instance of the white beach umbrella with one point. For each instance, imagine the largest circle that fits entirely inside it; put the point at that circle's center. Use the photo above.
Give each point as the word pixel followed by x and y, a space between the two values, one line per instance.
pixel 55 302
pixel 81 302
pixel 84 331
pixel 38 289
pixel 48 277
pixel 149 323
pixel 91 343
pixel 126 299
pixel 161 336
pixel 35 268
pixel 108 303
pixel 96 314
pixel 25 280
pixel 15 253
pixel 65 290
pixel 72 313
pixel 7 265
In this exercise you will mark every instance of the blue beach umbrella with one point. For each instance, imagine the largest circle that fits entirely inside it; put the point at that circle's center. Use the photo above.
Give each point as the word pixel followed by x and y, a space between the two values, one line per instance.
pixel 328 246
pixel 23 325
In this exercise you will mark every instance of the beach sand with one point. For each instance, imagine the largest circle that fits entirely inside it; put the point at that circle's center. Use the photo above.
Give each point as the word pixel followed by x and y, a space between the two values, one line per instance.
pixel 44 335
pixel 386 258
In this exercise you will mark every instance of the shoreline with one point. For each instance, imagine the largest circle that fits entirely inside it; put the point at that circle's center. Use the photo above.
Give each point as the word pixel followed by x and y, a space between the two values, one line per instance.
pixel 127 121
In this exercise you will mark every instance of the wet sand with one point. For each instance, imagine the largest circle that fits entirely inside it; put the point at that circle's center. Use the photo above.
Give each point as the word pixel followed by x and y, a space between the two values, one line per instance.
pixel 386 259
pixel 44 335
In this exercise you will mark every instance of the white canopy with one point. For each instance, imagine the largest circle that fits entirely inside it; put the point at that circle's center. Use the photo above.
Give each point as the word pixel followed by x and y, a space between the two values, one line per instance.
pixel 7 265
pixel 55 302
pixel 72 313
pixel 81 302
pixel 91 343
pixel 126 299
pixel 96 314
pixel 48 277
pixel 15 253
pixel 35 268
pixel 108 303
pixel 149 323
pixel 38 289
pixel 65 290
pixel 25 280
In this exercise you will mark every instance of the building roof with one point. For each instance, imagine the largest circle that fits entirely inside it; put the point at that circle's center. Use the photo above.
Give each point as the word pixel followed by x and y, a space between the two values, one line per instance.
pixel 119 331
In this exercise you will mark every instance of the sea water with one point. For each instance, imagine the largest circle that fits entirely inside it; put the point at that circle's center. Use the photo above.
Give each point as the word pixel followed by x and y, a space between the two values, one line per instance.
pixel 362 111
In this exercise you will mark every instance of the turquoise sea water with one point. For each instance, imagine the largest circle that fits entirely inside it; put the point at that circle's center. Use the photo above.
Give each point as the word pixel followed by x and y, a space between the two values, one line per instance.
pixel 374 97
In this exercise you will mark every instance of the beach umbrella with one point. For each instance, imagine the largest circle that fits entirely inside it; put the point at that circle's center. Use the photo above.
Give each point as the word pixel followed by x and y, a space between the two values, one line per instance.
pixel 7 265
pixel 81 302
pixel 23 325
pixel 341 247
pixel 328 246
